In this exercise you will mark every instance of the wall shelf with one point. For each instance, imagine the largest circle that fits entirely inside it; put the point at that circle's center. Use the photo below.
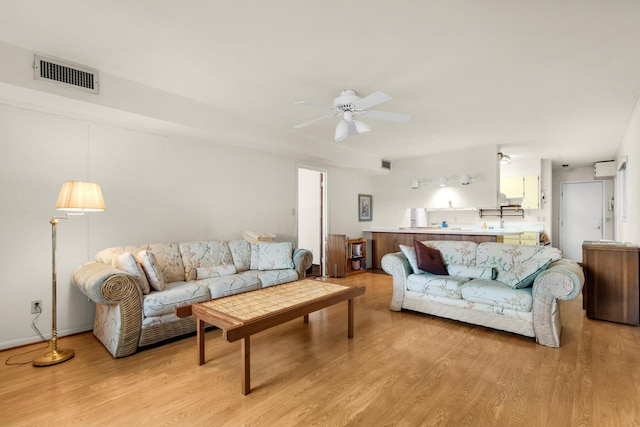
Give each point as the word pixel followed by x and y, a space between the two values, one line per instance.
pixel 503 212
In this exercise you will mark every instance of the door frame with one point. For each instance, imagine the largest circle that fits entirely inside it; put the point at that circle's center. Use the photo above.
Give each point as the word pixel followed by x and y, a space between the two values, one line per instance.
pixel 323 209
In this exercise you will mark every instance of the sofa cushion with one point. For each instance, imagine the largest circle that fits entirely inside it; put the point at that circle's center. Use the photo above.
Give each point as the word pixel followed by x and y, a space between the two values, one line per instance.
pixel 440 286
pixel 241 254
pixel 125 261
pixel 429 259
pixel 497 294
pixel 275 256
pixel 175 295
pixel 149 263
pixel 214 255
pixel 517 265
pixel 273 277
pixel 208 272
pixel 455 251
pixel 410 253
pixel 230 285
pixel 472 271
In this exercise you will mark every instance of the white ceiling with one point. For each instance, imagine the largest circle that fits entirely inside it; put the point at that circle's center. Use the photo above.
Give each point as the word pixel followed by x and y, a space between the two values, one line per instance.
pixel 540 78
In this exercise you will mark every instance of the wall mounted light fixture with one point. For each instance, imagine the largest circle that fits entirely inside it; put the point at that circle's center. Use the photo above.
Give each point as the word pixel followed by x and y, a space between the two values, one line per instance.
pixel 504 159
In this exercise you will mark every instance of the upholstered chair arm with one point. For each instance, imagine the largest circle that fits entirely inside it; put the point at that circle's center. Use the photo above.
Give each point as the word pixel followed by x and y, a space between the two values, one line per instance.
pixel 562 280
pixel 302 259
pixel 397 265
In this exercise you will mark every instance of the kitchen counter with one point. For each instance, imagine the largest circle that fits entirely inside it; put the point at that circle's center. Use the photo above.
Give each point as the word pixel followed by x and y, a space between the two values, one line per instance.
pixel 387 240
pixel 448 230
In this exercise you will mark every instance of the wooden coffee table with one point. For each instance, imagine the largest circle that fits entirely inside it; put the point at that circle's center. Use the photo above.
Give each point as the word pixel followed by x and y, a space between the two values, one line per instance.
pixel 242 315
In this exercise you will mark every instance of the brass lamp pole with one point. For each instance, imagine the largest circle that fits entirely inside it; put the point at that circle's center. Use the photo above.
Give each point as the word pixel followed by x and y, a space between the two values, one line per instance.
pixel 75 197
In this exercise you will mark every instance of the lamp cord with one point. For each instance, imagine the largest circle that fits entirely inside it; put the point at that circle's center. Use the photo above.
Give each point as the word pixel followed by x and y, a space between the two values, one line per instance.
pixel 43 339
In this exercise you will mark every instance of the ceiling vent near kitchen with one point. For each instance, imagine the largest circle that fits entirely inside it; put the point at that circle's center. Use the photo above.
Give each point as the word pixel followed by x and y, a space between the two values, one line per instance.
pixel 65 73
pixel 386 164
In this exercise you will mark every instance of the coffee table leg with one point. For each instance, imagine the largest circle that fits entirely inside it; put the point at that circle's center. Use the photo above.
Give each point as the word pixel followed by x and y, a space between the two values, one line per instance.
pixel 350 327
pixel 246 366
pixel 306 318
pixel 200 338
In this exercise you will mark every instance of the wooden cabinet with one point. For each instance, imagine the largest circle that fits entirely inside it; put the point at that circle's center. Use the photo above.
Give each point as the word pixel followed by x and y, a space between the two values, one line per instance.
pixel 525 238
pixel 524 188
pixel 512 187
pixel 531 194
pixel 345 256
pixel 611 281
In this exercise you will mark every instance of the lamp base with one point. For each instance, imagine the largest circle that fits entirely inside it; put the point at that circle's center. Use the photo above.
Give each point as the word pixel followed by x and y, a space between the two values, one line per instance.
pixel 53 357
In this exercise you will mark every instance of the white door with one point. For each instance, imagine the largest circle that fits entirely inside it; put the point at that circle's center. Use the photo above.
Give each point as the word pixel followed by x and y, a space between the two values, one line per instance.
pixel 581 215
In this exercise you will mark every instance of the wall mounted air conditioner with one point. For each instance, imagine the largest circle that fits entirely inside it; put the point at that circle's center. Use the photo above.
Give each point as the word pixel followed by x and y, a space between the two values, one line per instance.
pixel 605 169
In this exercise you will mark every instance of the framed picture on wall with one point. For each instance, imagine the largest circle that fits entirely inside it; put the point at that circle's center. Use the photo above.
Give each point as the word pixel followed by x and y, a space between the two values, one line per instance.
pixel 365 207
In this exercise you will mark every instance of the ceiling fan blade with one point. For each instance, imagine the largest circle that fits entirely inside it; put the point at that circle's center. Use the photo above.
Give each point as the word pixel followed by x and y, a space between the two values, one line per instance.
pixel 384 115
pixel 314 121
pixel 369 101
pixel 313 104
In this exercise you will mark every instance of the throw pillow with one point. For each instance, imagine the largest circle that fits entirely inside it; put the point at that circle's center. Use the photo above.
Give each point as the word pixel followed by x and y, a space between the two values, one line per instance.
pixel 275 256
pixel 410 254
pixel 522 275
pixel 126 262
pixel 429 259
pixel 150 266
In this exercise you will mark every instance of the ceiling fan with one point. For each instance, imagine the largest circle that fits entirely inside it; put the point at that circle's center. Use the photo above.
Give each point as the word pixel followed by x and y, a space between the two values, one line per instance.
pixel 349 105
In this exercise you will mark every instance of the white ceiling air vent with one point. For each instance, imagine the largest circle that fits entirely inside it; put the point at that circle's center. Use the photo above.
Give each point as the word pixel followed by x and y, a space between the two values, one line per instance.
pixel 386 164
pixel 65 73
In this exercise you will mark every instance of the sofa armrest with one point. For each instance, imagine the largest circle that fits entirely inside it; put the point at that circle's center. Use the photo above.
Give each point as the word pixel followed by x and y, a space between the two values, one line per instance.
pixel 397 265
pixel 562 280
pixel 302 260
pixel 118 299
pixel 104 284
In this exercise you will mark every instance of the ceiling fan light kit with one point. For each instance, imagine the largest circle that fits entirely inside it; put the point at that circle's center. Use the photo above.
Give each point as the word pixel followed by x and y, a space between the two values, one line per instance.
pixel 349 105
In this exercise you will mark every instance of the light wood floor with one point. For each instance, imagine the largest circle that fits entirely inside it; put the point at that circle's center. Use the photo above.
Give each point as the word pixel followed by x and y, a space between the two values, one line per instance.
pixel 402 369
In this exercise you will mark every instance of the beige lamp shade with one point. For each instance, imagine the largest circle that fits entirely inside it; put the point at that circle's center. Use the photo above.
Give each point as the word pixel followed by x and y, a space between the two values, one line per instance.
pixel 77 196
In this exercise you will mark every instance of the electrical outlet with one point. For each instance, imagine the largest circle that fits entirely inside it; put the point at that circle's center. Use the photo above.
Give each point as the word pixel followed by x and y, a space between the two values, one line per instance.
pixel 36 306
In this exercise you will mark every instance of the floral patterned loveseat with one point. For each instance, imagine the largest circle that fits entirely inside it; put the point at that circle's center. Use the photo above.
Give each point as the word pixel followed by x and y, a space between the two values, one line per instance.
pixel 514 288
pixel 137 288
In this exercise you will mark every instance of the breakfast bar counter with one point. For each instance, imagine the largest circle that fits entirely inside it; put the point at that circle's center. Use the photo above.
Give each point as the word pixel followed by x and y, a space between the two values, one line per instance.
pixel 386 240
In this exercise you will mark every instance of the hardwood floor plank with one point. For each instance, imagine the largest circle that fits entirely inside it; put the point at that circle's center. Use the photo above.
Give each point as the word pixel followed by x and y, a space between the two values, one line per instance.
pixel 400 368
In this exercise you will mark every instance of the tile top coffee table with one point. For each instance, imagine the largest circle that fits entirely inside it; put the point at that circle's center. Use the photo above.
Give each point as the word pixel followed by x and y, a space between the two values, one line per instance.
pixel 241 315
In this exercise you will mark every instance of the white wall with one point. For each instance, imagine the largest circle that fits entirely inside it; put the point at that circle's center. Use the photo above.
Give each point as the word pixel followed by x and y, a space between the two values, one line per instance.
pixel 629 230
pixel 156 188
pixel 396 196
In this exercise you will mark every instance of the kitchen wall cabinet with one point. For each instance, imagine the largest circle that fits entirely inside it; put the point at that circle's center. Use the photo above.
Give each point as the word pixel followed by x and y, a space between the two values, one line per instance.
pixel 523 189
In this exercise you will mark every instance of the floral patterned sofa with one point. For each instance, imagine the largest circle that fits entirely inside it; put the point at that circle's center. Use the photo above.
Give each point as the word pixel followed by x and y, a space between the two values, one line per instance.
pixel 514 288
pixel 137 288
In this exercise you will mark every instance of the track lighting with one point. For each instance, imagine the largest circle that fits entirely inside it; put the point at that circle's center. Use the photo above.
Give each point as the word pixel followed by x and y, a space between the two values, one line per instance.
pixel 504 159
pixel 443 181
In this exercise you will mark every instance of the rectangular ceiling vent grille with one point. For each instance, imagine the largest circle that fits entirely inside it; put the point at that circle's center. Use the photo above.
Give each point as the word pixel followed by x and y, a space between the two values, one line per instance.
pixel 65 73
pixel 386 164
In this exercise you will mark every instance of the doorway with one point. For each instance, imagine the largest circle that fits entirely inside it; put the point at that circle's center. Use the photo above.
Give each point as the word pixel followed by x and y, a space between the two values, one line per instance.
pixel 581 216
pixel 312 215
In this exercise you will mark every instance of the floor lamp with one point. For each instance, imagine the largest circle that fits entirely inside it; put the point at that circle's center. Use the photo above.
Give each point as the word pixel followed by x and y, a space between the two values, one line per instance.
pixel 76 198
